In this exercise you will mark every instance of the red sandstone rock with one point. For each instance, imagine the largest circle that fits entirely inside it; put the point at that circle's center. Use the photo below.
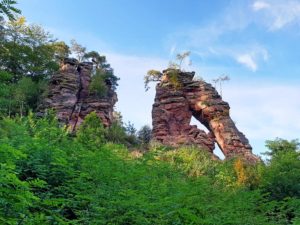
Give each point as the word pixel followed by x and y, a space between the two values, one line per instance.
pixel 173 109
pixel 69 95
pixel 171 120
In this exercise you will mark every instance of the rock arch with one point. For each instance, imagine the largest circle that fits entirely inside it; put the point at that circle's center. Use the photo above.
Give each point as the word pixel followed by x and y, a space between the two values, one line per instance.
pixel 173 109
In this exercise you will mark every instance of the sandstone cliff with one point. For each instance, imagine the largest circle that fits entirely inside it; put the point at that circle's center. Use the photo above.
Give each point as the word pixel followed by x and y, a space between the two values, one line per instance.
pixel 174 108
pixel 71 99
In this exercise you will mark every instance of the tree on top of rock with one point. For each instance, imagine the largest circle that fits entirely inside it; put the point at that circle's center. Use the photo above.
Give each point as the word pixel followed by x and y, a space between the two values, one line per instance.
pixel 219 80
pixel 97 59
pixel 78 50
pixel 181 58
pixel 103 75
pixel 173 70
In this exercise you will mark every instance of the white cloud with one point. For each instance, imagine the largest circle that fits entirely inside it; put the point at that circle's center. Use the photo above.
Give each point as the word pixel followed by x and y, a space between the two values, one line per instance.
pixel 278 13
pixel 259 5
pixel 207 41
pixel 264 110
pixel 251 58
pixel 172 50
pixel 248 61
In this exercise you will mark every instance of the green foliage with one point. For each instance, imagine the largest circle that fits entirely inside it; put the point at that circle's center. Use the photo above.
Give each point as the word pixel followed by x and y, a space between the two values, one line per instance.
pixel 29 56
pixel 50 177
pixel 20 97
pixel 99 60
pixel 26 91
pixel 61 50
pixel 193 161
pixel 144 135
pixel 152 76
pixel 282 175
pixel 15 195
pixel 110 78
pixel 27 50
pixel 78 50
pixel 247 175
pixel 103 78
pixel 171 74
pixel 279 146
pixel 32 164
pixel 130 129
pixel 120 133
pixel 116 133
pixel 131 139
pixel 91 132
pixel 5 77
pixel 7 8
pixel 98 85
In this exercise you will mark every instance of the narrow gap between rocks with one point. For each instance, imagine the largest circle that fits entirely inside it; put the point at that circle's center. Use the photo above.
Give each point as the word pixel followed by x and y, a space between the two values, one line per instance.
pixel 217 150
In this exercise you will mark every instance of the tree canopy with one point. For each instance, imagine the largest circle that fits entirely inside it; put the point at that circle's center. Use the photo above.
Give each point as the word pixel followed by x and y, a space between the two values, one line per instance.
pixel 7 8
pixel 49 177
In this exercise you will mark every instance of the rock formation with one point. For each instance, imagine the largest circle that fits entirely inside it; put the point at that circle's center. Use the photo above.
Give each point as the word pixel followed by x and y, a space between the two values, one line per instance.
pixel 69 95
pixel 174 108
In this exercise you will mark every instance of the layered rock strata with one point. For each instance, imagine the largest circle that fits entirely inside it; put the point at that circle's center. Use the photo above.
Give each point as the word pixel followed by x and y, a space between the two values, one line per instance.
pixel 174 108
pixel 71 99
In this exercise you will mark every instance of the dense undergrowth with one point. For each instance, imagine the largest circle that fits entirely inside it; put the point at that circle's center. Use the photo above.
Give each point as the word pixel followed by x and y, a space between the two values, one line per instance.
pixel 50 177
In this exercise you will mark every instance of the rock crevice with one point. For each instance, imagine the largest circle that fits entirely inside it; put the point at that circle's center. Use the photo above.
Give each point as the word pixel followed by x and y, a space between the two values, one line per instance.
pixel 69 95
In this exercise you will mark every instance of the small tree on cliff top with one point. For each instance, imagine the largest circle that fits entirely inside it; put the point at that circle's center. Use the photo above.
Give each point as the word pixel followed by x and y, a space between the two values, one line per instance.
pixel 174 69
pixel 219 80
pixel 97 59
pixel 103 74
pixel 78 50
pixel 181 58
pixel 152 76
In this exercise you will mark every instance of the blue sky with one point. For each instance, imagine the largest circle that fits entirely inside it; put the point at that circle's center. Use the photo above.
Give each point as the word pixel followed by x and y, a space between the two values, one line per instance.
pixel 255 42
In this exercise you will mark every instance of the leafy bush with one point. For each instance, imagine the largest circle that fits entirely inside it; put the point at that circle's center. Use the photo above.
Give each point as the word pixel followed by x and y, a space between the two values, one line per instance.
pixel 192 160
pixel 282 176
pixel 50 177
pixel 91 132
pixel 144 135
pixel 98 85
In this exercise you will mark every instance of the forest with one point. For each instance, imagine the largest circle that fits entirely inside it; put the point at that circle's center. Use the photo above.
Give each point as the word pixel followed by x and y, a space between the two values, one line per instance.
pixel 116 175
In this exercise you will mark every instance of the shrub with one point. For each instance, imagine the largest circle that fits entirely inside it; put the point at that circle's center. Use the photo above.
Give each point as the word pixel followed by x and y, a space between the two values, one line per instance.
pixel 192 160
pixel 50 177
pixel 91 132
pixel 144 135
pixel 98 85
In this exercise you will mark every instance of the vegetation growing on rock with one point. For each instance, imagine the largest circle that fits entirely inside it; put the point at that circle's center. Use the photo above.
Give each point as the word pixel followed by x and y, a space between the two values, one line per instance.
pixel 107 172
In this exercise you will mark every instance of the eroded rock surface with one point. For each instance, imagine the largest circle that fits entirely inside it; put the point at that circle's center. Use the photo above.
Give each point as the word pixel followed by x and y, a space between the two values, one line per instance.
pixel 69 95
pixel 174 108
pixel 171 117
